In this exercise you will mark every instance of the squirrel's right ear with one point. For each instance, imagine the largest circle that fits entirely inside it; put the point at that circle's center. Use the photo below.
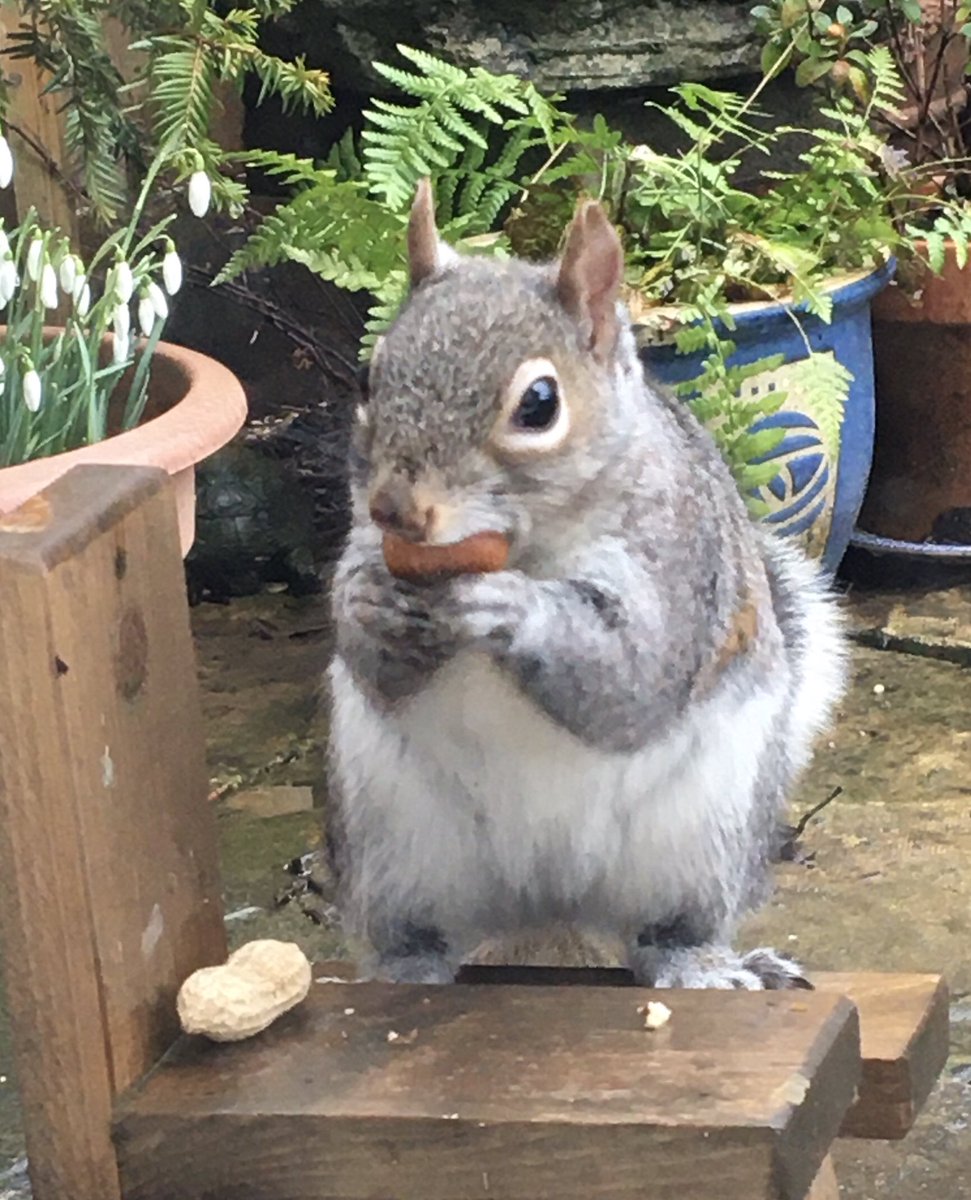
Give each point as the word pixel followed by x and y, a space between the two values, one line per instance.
pixel 427 253
pixel 590 274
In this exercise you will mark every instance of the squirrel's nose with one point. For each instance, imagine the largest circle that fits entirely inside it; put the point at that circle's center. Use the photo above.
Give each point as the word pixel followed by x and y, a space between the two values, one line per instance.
pixel 394 509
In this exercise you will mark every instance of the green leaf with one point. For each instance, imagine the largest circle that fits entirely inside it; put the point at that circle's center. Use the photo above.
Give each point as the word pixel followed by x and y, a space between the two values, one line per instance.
pixel 809 70
pixel 936 251
pixel 771 55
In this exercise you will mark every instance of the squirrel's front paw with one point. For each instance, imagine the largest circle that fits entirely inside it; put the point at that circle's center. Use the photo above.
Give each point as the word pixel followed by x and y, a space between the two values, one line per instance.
pixel 491 609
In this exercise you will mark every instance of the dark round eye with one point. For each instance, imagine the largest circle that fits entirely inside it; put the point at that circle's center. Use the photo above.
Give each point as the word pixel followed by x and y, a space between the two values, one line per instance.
pixel 539 405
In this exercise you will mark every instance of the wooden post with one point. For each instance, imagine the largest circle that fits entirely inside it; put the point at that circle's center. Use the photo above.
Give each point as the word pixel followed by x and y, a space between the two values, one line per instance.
pixel 40 153
pixel 109 888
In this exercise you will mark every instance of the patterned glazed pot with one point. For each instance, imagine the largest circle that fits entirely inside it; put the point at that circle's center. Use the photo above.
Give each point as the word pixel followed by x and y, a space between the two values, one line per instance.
pixel 824 457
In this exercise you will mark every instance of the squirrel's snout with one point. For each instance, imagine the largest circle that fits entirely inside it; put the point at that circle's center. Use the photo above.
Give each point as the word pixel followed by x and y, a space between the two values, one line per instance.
pixel 397 510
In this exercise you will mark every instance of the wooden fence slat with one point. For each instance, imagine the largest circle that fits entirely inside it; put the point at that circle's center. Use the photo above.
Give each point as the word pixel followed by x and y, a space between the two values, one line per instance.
pixel 29 109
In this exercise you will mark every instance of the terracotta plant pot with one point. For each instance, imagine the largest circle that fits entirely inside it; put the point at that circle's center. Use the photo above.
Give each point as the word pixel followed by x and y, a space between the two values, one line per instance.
pixel 922 456
pixel 195 406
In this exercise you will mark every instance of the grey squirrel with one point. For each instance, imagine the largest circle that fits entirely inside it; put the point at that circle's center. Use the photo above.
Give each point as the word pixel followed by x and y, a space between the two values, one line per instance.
pixel 601 736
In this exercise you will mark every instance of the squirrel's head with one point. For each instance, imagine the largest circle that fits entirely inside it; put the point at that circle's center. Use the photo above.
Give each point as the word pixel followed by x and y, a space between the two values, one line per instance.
pixel 496 396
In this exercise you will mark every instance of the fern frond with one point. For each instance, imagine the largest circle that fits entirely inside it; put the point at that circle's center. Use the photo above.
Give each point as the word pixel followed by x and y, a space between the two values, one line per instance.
pixel 184 80
pixel 289 169
pixel 334 228
pixel 452 110
pixel 345 158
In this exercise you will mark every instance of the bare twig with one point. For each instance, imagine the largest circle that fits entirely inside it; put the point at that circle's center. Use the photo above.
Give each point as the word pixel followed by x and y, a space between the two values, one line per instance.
pixel 804 820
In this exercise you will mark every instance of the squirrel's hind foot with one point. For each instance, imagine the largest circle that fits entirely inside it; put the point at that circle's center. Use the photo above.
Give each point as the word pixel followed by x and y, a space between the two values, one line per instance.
pixel 717 967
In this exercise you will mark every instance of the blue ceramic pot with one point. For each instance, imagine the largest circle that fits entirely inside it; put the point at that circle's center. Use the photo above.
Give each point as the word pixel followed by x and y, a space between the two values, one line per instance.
pixel 824 458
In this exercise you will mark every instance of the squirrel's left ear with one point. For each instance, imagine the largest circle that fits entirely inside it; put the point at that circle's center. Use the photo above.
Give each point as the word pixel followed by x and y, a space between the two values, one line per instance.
pixel 589 276
pixel 427 253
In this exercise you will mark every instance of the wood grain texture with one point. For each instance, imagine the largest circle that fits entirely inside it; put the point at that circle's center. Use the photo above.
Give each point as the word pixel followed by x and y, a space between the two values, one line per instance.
pixel 825 1186
pixel 905 1030
pixel 38 178
pixel 511 1092
pixel 108 871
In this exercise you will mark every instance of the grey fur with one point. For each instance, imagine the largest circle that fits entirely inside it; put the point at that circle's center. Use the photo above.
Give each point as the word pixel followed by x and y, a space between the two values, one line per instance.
pixel 632 559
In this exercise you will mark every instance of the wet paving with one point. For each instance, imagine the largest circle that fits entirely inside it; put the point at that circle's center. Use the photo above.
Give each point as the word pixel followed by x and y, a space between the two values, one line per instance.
pixel 882 880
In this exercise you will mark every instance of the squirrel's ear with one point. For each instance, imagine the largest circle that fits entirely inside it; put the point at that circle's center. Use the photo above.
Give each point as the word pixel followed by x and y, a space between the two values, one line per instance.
pixel 427 254
pixel 589 276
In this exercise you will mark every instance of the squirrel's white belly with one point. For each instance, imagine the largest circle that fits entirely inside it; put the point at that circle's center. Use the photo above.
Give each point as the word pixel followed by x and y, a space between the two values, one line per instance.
pixel 472 802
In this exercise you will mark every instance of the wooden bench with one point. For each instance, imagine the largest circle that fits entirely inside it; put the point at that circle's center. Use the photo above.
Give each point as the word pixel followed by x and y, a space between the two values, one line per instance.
pixel 542 1084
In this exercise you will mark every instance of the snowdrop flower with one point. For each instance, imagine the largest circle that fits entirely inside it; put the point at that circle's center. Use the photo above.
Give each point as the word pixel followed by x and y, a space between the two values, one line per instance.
pixel 3 382
pixel 122 321
pixel 122 324
pixel 48 286
pixel 171 270
pixel 123 284
pixel 6 163
pixel 33 391
pixel 82 298
pixel 146 315
pixel 8 281
pixel 200 193
pixel 35 257
pixel 68 274
pixel 157 297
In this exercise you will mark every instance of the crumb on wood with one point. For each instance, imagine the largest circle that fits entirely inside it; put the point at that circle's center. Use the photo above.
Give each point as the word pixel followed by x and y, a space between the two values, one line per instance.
pixel 655 1014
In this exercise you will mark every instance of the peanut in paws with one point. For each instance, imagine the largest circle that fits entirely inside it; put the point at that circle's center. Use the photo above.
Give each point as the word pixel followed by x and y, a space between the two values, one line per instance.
pixel 476 555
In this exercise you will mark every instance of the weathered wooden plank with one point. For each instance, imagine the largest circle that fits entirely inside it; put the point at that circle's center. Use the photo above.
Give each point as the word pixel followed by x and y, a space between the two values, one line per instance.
pixel 825 1186
pixel 108 878
pixel 904 1033
pixel 39 153
pixel 904 1024
pixel 538 1091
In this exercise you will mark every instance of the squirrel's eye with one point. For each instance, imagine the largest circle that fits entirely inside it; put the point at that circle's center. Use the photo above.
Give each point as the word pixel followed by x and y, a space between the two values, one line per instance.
pixel 534 416
pixel 539 406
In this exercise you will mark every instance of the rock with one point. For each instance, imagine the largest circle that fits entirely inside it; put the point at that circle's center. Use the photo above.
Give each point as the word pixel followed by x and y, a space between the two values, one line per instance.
pixel 583 46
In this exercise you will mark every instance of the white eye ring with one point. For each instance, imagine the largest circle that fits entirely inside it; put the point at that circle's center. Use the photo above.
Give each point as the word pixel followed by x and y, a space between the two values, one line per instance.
pixel 523 442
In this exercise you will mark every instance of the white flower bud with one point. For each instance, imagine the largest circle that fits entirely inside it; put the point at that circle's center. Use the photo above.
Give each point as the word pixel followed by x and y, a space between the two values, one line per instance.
pixel 200 193
pixel 8 281
pixel 172 271
pixel 48 287
pixel 122 321
pixel 146 315
pixel 123 285
pixel 68 274
pixel 35 257
pixel 82 300
pixel 33 391
pixel 6 163
pixel 159 303
pixel 119 348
